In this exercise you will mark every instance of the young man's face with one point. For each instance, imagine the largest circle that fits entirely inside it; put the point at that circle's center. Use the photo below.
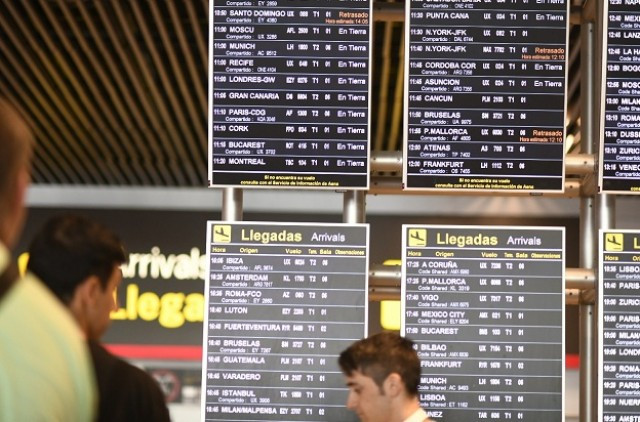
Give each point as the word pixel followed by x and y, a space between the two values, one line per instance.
pixel 369 401
pixel 105 302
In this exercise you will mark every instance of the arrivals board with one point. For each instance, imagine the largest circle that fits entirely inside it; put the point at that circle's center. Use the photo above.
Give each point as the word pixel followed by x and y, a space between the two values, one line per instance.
pixel 289 93
pixel 485 95
pixel 283 300
pixel 485 306
pixel 619 326
pixel 620 119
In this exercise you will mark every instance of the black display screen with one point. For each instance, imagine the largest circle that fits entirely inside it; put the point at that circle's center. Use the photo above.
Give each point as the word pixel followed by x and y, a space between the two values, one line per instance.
pixel 486 95
pixel 290 93
pixel 283 301
pixel 620 149
pixel 619 318
pixel 485 306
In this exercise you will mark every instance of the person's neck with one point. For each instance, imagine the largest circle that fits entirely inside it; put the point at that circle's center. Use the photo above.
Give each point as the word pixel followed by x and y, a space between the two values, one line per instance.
pixel 410 405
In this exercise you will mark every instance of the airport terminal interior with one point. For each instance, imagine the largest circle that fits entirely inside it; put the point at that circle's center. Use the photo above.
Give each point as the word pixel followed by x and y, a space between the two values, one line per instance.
pixel 223 140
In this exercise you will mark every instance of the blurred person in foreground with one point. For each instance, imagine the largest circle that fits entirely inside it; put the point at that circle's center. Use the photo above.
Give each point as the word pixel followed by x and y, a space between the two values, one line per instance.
pixel 45 369
pixel 383 373
pixel 79 260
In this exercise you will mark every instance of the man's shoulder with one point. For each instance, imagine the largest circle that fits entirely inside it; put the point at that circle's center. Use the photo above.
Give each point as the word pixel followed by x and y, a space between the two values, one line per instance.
pixel 43 354
pixel 31 303
pixel 418 416
pixel 117 367
pixel 130 392
pixel 35 307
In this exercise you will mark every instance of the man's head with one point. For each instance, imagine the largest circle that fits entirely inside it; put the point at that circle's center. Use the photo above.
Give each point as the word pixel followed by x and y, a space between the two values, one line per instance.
pixel 79 260
pixel 15 157
pixel 383 374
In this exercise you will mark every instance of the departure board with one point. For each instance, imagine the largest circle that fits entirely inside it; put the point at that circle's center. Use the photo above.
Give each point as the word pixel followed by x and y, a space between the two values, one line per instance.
pixel 283 300
pixel 486 95
pixel 619 322
pixel 620 120
pixel 289 93
pixel 485 306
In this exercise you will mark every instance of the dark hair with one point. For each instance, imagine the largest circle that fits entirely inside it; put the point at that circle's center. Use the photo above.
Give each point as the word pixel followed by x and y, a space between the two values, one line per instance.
pixel 380 355
pixel 71 248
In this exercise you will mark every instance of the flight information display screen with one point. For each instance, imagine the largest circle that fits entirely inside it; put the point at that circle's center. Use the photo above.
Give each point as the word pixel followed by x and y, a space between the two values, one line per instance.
pixel 485 306
pixel 620 147
pixel 619 319
pixel 283 300
pixel 485 95
pixel 289 93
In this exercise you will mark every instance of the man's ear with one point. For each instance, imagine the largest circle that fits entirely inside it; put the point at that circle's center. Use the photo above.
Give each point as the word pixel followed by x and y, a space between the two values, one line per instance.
pixel 393 385
pixel 87 292
pixel 83 302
